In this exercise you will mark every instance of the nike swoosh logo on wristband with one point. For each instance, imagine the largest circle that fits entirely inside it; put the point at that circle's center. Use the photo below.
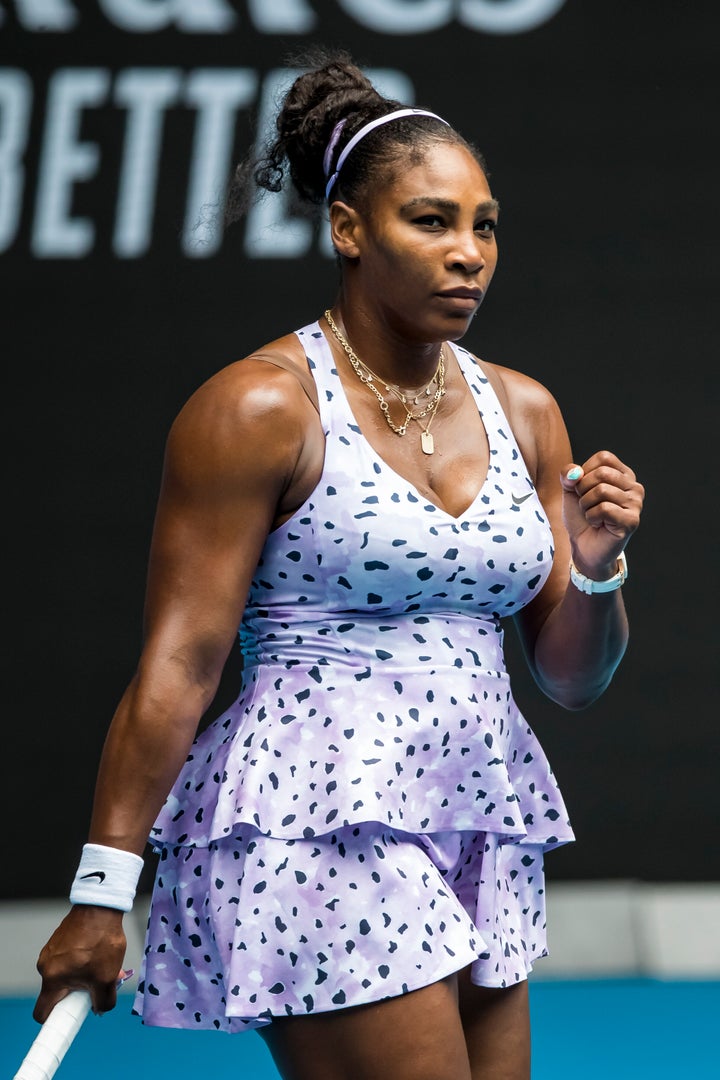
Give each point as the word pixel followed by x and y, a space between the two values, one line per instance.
pixel 95 873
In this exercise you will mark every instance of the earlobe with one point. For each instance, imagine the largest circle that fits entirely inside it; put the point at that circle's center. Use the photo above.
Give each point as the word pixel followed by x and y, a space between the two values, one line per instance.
pixel 344 230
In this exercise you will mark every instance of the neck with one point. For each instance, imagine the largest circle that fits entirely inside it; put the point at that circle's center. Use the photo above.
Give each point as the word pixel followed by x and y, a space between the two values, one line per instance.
pixel 406 364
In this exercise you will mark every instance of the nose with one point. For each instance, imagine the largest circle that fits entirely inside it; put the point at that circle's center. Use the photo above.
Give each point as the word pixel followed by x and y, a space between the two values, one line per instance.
pixel 466 253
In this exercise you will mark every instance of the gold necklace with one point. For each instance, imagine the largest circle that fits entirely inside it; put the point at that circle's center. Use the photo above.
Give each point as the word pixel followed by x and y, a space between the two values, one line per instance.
pixel 393 388
pixel 427 442
pixel 424 392
pixel 367 376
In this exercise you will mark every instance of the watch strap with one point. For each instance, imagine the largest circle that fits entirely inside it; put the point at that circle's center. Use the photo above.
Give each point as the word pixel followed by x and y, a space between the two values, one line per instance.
pixel 590 586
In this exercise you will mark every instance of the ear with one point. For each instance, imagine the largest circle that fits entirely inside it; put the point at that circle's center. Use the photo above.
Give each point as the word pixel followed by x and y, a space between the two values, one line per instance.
pixel 345 229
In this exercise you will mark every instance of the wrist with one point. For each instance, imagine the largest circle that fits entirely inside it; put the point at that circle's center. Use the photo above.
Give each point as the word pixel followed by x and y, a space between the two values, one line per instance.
pixel 106 877
pixel 96 921
pixel 597 571
pixel 602 583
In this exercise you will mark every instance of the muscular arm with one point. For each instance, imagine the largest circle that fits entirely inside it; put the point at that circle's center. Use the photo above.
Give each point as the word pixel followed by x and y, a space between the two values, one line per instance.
pixel 573 642
pixel 230 459
pixel 240 457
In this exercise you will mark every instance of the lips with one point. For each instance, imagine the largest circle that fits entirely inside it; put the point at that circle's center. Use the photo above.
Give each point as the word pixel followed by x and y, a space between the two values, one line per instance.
pixel 463 293
pixel 465 300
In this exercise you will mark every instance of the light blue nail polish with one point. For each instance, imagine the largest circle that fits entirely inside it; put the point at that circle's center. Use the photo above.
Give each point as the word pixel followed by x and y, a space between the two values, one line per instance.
pixel 575 473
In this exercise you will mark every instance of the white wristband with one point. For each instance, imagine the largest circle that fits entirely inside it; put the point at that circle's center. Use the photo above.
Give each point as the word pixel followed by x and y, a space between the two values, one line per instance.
pixel 107 877
pixel 589 585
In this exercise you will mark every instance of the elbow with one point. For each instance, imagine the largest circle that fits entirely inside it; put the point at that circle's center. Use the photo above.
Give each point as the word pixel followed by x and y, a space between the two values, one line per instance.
pixel 575 702
pixel 577 686
pixel 574 696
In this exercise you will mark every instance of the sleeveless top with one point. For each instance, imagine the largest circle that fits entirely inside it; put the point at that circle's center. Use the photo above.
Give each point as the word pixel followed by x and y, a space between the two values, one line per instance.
pixel 374 684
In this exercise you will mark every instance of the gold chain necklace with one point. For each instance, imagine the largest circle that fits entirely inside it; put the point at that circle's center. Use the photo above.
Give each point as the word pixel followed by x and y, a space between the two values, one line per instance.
pixel 368 376
pixel 425 392
pixel 427 442
pixel 393 388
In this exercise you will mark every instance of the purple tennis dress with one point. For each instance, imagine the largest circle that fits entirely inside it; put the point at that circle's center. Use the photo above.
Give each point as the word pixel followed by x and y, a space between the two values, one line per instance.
pixel 371 814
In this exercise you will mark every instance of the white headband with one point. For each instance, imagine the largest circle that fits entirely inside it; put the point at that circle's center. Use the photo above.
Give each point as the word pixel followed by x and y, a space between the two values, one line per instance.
pixel 361 135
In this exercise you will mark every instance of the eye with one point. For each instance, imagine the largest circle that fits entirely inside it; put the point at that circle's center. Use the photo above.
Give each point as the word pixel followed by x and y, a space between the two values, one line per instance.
pixel 487 226
pixel 430 221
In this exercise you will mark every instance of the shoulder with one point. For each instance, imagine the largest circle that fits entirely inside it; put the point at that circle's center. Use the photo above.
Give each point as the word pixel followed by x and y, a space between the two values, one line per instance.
pixel 249 413
pixel 532 412
pixel 520 394
pixel 250 390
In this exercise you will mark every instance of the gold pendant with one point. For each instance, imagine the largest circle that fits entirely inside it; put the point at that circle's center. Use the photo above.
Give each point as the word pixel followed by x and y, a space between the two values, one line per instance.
pixel 427 443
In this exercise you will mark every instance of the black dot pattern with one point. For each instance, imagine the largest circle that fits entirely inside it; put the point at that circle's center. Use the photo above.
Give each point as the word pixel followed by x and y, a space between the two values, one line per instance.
pixel 290 927
pixel 375 694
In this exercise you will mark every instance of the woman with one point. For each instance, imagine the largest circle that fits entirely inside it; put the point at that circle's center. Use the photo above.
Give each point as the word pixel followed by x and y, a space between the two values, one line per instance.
pixel 351 857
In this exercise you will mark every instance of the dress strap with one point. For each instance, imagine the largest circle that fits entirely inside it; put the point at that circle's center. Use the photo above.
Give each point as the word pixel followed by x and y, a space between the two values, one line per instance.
pixel 304 377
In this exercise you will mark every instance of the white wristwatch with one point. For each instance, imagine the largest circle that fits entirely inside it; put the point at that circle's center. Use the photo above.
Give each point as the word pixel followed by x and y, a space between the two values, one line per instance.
pixel 589 585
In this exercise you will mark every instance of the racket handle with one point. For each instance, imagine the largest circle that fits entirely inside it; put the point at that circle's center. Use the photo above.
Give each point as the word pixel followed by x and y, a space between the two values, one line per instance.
pixel 55 1036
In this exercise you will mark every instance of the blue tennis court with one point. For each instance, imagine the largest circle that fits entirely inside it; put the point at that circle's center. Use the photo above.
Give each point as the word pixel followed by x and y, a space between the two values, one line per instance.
pixel 583 1030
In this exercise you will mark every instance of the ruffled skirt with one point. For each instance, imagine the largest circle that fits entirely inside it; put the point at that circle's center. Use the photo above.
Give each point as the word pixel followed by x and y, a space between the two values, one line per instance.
pixel 253 927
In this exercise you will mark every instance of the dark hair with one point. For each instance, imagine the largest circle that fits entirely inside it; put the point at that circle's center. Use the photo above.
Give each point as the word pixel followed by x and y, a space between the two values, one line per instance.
pixel 335 89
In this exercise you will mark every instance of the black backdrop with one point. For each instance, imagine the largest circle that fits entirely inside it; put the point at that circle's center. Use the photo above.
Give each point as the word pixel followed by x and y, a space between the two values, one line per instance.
pixel 117 121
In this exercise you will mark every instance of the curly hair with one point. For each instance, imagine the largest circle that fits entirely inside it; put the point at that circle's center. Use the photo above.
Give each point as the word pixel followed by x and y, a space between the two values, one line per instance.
pixel 334 89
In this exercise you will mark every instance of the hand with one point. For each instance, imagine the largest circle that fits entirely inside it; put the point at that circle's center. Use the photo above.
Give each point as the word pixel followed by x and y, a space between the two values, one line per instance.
pixel 85 953
pixel 601 510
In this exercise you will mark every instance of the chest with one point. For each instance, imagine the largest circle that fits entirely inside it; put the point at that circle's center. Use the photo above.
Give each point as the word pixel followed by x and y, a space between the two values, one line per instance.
pixel 444 453
pixel 370 540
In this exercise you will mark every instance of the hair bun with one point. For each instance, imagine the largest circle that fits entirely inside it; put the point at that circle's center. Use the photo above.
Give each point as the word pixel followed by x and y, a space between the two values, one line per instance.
pixel 318 99
pixel 331 89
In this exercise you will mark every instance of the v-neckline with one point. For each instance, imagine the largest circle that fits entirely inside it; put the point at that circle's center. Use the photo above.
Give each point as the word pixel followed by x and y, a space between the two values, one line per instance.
pixel 380 460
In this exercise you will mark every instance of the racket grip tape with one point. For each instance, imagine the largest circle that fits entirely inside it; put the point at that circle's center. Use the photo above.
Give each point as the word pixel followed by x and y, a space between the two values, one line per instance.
pixel 55 1037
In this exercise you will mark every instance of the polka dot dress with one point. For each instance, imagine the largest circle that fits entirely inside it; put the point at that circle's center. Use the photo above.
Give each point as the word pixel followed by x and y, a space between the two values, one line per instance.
pixel 371 814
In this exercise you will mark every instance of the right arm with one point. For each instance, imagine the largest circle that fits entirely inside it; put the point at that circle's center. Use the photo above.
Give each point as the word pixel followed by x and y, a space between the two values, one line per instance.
pixel 236 458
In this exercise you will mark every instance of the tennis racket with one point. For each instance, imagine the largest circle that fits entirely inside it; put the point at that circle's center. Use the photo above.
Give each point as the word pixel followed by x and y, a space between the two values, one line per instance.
pixel 56 1035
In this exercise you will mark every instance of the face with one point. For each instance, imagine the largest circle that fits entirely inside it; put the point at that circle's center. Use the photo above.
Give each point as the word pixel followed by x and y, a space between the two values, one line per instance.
pixel 426 248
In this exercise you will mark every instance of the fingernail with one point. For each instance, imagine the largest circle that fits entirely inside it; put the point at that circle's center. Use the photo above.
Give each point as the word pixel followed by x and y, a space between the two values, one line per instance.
pixel 575 473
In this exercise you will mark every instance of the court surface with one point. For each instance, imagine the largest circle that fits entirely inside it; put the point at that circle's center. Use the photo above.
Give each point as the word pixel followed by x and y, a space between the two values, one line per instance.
pixel 582 1030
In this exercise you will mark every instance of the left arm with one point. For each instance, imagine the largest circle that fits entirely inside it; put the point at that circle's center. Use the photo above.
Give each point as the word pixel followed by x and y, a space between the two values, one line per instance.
pixel 573 641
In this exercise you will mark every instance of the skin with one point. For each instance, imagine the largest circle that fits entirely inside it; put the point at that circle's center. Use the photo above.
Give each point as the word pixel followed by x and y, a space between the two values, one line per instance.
pixel 243 455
